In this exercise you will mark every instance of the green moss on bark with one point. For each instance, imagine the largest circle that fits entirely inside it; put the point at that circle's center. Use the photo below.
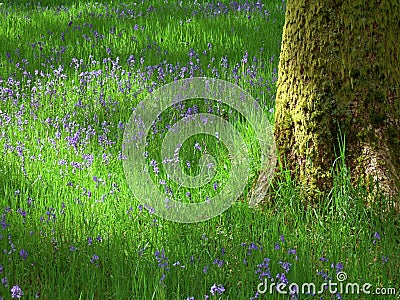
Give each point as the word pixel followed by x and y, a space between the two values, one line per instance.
pixel 339 68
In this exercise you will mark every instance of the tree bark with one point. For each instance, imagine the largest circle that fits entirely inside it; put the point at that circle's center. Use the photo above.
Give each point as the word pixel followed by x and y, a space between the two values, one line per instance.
pixel 339 73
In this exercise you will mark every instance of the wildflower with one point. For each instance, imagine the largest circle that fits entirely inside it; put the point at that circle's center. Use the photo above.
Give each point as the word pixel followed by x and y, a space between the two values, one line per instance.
pixel 377 236
pixel 282 278
pixel 385 259
pixel 217 289
pixel 161 259
pixel 218 262
pixel 338 267
pixel 23 253
pixel 244 59
pixel 263 269
pixel 21 212
pixel 4 281
pixel 323 259
pixel 256 295
pixel 294 293
pixel 215 186
pixel 277 247
pixel 253 246
pixel 224 62
pixel 162 278
pixel 286 266
pixel 94 258
pixel 16 292
pixel 324 275
pixel 150 209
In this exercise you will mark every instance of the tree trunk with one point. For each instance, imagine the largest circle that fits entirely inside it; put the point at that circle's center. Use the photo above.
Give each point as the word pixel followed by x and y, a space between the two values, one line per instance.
pixel 339 72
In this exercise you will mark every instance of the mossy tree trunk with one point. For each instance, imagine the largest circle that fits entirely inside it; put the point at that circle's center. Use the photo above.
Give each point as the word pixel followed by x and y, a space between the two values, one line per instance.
pixel 339 68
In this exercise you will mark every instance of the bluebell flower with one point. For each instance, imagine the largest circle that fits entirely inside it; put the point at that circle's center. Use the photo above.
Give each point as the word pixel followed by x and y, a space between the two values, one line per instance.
pixel 16 292
pixel 218 262
pixel 4 281
pixel 338 267
pixel 323 259
pixel 94 258
pixel 377 236
pixel 215 186
pixel 286 266
pixel 162 278
pixel 282 278
pixel 23 253
pixel 217 289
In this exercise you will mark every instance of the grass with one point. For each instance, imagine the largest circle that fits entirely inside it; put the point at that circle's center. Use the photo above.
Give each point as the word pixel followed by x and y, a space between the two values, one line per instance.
pixel 70 77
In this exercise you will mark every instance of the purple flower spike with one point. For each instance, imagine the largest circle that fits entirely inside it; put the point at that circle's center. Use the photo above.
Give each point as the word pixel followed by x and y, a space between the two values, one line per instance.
pixel 94 258
pixel 23 253
pixel 16 292
pixel 217 289
pixel 323 259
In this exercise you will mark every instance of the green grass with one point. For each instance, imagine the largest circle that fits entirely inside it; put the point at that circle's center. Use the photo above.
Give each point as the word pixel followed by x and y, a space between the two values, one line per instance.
pixel 86 235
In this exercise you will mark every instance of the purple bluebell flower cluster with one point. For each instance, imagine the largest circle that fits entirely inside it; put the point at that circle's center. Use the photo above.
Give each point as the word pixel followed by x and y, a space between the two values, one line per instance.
pixel 16 292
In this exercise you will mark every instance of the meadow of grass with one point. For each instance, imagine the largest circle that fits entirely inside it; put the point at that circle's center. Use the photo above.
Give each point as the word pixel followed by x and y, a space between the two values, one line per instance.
pixel 70 76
